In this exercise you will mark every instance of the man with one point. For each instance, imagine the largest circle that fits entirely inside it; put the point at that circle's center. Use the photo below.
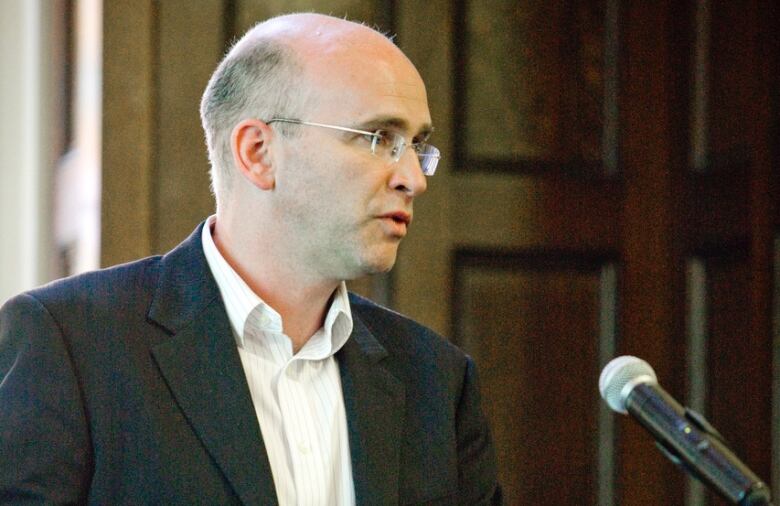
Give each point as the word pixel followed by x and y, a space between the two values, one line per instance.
pixel 236 368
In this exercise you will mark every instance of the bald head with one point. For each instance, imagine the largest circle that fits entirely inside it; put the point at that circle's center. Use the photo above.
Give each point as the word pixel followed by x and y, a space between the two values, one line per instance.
pixel 276 70
pixel 302 27
pixel 316 37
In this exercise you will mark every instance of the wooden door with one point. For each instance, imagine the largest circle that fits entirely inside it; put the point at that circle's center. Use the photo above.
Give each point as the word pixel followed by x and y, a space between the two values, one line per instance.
pixel 608 188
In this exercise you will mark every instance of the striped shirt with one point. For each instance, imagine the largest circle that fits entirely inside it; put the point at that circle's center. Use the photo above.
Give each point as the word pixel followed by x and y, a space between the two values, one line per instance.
pixel 297 398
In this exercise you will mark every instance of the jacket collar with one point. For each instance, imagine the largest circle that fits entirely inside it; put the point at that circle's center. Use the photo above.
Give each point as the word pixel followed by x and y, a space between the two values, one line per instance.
pixel 374 400
pixel 201 366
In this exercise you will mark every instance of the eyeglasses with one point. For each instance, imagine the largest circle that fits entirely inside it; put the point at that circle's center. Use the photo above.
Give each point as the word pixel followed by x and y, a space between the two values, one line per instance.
pixel 385 143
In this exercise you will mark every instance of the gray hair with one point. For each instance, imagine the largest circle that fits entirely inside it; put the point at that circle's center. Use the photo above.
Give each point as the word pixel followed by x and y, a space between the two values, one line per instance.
pixel 260 77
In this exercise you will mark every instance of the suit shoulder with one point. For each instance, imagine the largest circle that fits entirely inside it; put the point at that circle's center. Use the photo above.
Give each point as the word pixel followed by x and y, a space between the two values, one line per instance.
pixel 123 282
pixel 377 316
pixel 400 334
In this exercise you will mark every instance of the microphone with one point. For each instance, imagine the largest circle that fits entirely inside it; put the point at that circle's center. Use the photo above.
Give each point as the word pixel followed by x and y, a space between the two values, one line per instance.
pixel 629 386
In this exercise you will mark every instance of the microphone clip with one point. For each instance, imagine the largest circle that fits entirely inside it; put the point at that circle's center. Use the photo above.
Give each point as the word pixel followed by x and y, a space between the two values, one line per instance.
pixel 758 495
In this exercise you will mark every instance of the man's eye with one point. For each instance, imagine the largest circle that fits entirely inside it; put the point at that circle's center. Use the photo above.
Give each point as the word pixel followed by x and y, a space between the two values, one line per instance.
pixel 418 144
pixel 383 138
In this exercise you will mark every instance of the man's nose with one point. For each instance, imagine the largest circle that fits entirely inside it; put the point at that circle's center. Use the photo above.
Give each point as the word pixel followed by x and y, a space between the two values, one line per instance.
pixel 408 176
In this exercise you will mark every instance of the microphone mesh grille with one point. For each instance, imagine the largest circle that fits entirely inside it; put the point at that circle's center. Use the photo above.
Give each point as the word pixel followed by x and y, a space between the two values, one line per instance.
pixel 617 374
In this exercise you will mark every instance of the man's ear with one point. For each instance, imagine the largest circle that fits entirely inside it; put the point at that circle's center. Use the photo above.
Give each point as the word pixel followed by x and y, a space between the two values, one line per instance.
pixel 250 142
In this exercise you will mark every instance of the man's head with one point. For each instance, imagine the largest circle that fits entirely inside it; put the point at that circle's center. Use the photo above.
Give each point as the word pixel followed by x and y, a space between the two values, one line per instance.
pixel 317 190
pixel 261 77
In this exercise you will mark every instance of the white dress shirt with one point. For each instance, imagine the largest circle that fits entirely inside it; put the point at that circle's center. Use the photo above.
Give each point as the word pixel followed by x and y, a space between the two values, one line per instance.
pixel 297 398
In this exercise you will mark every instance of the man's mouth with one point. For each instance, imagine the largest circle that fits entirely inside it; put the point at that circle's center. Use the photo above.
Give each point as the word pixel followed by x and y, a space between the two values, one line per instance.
pixel 399 217
pixel 396 223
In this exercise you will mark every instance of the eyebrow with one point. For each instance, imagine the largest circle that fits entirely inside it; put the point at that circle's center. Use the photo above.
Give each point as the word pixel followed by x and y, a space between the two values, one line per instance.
pixel 395 123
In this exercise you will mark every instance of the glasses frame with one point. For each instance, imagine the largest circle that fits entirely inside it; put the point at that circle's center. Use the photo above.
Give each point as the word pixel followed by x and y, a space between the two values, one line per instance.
pixel 399 146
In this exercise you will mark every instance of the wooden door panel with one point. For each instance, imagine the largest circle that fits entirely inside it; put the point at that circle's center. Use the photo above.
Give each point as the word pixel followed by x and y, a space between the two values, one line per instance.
pixel 531 322
pixel 734 80
pixel 738 390
pixel 530 81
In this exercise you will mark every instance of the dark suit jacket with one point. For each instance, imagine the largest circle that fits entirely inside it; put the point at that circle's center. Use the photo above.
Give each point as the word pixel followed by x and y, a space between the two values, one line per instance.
pixel 125 386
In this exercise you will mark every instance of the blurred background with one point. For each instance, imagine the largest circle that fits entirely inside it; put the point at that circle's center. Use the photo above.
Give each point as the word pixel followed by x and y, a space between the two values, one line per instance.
pixel 608 187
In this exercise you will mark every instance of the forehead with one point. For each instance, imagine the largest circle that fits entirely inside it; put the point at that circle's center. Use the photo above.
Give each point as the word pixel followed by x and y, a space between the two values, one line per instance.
pixel 355 83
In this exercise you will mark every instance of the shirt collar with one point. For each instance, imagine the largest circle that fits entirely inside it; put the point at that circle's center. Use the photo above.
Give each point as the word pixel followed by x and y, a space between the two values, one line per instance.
pixel 240 300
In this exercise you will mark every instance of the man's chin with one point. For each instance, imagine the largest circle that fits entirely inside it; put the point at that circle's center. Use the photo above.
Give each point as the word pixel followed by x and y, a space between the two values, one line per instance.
pixel 377 264
pixel 378 268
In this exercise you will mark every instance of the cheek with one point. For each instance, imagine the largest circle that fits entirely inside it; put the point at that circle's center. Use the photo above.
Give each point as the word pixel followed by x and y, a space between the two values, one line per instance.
pixel 338 181
pixel 302 178
pixel 314 199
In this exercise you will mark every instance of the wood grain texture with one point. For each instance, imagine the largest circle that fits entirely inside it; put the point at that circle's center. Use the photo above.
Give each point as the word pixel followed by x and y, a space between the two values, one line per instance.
pixel 189 46
pixel 531 324
pixel 128 125
pixel 533 81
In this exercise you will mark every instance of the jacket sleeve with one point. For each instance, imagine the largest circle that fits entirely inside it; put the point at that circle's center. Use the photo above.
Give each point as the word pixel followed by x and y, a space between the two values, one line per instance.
pixel 44 442
pixel 477 475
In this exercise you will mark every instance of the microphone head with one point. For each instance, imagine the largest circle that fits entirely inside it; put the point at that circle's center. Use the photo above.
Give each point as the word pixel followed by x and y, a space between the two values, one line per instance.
pixel 620 376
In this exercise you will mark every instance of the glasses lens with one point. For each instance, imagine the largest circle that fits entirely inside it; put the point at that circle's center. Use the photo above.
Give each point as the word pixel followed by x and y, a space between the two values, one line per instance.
pixel 429 157
pixel 393 145
pixel 399 145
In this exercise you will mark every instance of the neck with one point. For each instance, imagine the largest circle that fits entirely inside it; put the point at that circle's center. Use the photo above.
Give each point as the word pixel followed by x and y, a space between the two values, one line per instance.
pixel 302 301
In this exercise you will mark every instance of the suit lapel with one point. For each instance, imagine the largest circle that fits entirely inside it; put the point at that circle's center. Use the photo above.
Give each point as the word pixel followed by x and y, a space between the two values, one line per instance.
pixel 202 368
pixel 374 403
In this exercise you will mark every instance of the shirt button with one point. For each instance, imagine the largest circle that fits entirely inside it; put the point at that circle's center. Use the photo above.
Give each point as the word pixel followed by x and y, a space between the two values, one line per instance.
pixel 294 369
pixel 304 448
